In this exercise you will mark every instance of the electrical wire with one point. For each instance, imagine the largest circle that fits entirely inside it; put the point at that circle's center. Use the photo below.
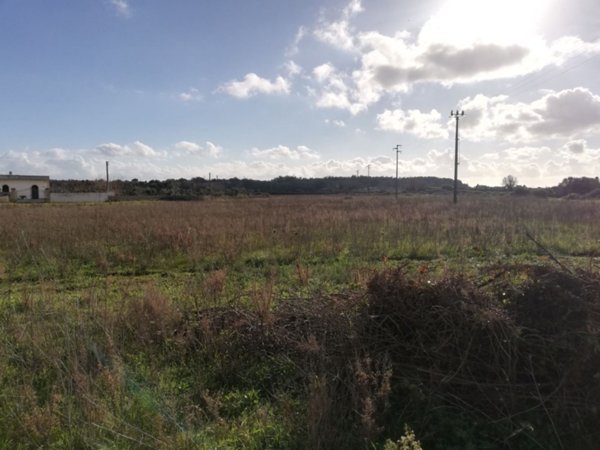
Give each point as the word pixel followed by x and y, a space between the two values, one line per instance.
pixel 535 79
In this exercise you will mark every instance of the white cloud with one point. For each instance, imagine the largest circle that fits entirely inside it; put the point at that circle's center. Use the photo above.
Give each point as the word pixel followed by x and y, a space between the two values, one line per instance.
pixel 324 72
pixel 252 84
pixel 571 112
pixel 566 112
pixel 136 160
pixel 336 122
pixel 213 149
pixel 293 49
pixel 433 163
pixel 192 148
pixel 56 162
pixel 336 34
pixel 394 64
pixel 533 166
pixel 112 149
pixel 136 149
pixel 529 164
pixel 333 90
pixel 140 149
pixel 481 49
pixel 292 69
pixel 353 8
pixel 339 100
pixel 339 33
pixel 190 95
pixel 421 124
pixel 122 7
pixel 283 152
pixel 189 147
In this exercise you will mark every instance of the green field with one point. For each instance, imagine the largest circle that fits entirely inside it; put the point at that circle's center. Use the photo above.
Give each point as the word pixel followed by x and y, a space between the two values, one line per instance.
pixel 266 323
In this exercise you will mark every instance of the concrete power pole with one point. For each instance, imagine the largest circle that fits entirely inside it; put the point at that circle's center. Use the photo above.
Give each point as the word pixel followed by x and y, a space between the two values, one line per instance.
pixel 397 148
pixel 456 114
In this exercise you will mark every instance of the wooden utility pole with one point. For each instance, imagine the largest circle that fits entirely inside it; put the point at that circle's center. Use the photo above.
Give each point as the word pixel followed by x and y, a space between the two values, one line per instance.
pixel 456 114
pixel 107 179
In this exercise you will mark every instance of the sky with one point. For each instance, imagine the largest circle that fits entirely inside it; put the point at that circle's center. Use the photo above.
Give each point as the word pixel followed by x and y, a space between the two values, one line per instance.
pixel 266 88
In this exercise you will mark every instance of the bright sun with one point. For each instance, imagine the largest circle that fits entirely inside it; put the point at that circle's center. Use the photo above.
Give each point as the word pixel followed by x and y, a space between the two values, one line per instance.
pixel 463 22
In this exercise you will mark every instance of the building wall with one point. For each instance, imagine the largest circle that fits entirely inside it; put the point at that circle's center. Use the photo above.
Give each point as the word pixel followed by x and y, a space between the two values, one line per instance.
pixel 80 197
pixel 22 188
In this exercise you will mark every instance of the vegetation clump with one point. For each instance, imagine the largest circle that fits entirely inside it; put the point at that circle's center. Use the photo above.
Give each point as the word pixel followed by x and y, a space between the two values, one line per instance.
pixel 515 366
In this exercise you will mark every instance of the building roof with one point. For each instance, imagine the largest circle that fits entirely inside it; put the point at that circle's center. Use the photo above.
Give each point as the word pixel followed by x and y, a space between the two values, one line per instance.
pixel 24 177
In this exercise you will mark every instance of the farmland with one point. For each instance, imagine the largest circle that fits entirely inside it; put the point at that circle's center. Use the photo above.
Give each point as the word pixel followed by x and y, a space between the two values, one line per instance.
pixel 259 323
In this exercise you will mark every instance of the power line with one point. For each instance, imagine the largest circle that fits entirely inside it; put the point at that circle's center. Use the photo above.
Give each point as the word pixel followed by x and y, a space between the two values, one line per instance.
pixel 536 78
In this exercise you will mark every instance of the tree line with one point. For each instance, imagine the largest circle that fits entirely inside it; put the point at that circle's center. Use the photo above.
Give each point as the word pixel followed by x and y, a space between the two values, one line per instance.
pixel 198 187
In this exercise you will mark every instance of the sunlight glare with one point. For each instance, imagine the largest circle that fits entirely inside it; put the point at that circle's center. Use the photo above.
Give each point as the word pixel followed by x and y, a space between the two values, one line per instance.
pixel 464 22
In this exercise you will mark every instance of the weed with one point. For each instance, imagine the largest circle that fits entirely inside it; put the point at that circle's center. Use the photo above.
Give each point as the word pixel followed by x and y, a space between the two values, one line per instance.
pixel 214 285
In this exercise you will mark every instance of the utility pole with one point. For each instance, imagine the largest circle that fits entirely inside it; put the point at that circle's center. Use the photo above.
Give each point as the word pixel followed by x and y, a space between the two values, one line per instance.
pixel 397 148
pixel 368 178
pixel 107 177
pixel 456 114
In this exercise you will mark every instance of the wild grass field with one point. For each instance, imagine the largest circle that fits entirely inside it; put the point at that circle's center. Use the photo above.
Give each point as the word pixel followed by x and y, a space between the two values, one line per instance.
pixel 301 322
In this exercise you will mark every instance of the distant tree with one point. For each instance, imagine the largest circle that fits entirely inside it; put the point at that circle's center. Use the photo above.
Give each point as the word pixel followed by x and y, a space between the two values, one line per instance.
pixel 509 182
pixel 581 185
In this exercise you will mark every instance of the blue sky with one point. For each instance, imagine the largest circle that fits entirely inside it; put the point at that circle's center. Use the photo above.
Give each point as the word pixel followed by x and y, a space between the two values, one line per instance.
pixel 265 88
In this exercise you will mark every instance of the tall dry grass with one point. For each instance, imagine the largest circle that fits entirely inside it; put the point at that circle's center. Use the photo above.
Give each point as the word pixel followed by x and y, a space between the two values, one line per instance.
pixel 52 240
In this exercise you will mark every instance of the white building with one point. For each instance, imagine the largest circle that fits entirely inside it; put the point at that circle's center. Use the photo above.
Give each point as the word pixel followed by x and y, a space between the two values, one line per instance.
pixel 24 187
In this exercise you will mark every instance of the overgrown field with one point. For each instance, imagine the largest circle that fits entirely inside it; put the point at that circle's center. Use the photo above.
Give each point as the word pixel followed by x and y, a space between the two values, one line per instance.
pixel 301 322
